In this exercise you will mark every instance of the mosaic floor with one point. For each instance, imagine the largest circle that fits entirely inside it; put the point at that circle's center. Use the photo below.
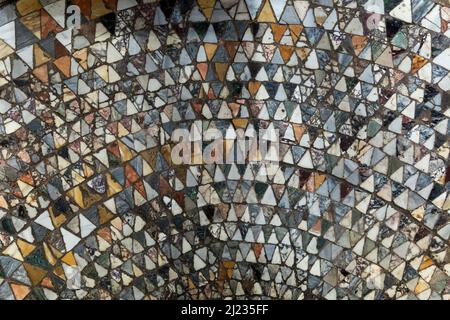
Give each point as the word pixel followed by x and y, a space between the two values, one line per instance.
pixel 93 205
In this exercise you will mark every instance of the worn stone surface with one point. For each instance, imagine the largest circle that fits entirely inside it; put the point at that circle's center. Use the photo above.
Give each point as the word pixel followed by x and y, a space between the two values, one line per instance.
pixel 93 205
